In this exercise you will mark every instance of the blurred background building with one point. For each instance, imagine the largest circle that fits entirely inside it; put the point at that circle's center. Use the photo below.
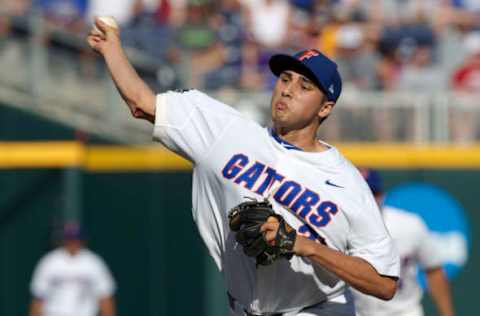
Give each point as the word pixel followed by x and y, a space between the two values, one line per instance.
pixel 411 71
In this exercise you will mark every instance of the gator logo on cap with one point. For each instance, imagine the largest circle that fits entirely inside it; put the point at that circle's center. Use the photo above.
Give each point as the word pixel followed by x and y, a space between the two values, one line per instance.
pixel 308 54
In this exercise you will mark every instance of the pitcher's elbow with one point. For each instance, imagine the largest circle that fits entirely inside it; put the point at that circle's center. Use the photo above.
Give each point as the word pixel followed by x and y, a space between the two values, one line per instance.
pixel 387 295
pixel 135 108
pixel 143 105
pixel 388 289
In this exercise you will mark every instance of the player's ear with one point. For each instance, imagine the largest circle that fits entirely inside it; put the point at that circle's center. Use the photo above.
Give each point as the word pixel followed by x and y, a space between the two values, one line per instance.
pixel 326 109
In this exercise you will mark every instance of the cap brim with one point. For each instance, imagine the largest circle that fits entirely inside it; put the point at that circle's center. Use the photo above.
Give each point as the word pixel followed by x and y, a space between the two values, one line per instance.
pixel 280 63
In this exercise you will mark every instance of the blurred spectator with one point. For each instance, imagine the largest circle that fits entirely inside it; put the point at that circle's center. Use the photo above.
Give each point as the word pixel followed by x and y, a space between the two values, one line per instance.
pixel 197 38
pixel 353 10
pixel 327 38
pixel 467 77
pixel 463 14
pixel 470 5
pixel 420 74
pixel 148 29
pixel 254 66
pixel 13 13
pixel 178 13
pixel 66 14
pixel 406 37
pixel 72 281
pixel 4 31
pixel 228 23
pixel 268 21
pixel 196 33
pixel 217 45
pixel 355 61
pixel 161 8
pixel 398 45
pixel 372 41
pixel 15 7
pixel 466 81
pixel 305 5
pixel 391 12
pixel 267 26
pixel 388 70
pixel 304 25
pixel 10 53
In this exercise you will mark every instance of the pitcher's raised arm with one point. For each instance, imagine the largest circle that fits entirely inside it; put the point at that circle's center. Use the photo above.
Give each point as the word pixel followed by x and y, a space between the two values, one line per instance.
pixel 136 93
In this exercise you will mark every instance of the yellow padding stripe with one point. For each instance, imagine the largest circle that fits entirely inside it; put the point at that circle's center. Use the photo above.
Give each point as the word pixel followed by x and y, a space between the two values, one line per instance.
pixel 111 158
pixel 148 158
pixel 409 156
pixel 41 154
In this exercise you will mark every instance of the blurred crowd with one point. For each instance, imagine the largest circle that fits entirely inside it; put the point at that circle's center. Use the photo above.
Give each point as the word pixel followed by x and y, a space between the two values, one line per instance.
pixel 419 45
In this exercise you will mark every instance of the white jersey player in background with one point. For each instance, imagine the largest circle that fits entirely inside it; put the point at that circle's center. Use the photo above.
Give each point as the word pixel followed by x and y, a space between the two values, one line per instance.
pixel 72 281
pixel 416 249
pixel 342 239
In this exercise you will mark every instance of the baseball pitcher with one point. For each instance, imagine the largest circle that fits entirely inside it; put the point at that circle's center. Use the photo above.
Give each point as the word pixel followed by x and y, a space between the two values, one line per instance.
pixel 288 220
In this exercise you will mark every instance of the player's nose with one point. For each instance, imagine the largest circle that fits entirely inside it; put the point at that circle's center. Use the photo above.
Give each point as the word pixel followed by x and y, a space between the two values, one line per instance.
pixel 286 90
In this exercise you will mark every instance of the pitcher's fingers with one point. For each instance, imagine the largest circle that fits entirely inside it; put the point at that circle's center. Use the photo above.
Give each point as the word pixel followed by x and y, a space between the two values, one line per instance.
pixel 269 237
pixel 268 226
pixel 94 32
pixel 102 26
pixel 91 41
pixel 95 37
pixel 272 219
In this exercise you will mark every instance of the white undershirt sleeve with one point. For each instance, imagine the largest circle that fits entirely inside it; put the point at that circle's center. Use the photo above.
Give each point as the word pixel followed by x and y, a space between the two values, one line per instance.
pixel 189 123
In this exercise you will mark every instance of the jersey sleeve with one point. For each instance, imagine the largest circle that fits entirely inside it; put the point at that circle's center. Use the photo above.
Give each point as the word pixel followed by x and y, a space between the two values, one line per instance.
pixel 370 240
pixel 428 252
pixel 40 284
pixel 104 283
pixel 189 123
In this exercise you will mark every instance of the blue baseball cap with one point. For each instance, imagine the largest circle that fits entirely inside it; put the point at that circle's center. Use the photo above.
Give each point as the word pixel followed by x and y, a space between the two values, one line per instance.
pixel 73 231
pixel 315 66
pixel 373 179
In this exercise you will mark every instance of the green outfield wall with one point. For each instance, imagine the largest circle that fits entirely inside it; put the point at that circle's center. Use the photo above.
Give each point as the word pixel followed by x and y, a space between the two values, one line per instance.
pixel 141 224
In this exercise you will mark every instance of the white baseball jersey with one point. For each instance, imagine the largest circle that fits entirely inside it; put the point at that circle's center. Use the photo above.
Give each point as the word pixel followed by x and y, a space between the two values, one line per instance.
pixel 320 194
pixel 71 285
pixel 415 247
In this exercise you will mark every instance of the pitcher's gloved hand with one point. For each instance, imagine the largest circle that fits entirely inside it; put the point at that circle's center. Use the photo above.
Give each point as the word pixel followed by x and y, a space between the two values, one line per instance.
pixel 247 219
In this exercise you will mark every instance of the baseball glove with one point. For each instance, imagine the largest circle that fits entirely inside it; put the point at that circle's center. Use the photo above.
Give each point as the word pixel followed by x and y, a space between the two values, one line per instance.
pixel 247 218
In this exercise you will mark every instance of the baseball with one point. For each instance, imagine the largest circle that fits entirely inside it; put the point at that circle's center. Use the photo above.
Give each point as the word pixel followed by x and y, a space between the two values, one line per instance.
pixel 109 20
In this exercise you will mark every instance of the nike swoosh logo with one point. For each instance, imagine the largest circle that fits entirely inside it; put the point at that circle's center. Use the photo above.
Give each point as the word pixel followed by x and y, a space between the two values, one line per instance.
pixel 333 184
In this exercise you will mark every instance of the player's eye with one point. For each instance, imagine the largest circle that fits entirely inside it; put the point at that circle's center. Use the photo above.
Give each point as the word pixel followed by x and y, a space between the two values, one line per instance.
pixel 284 77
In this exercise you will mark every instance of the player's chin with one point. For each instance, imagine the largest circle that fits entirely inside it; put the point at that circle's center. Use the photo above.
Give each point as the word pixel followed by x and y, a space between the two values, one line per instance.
pixel 279 117
pixel 280 126
pixel 278 122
